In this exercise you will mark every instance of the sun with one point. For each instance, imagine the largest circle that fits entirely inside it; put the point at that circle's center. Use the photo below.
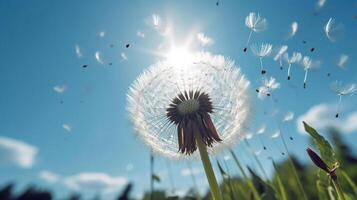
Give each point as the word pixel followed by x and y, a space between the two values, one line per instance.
pixel 179 56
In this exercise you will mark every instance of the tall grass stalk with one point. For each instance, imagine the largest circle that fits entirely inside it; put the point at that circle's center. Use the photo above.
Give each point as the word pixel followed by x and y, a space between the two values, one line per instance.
pixel 197 194
pixel 246 178
pixel 301 188
pixel 257 160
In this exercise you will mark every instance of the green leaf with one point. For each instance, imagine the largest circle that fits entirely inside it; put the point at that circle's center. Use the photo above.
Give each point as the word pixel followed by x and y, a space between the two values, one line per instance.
pixel 280 184
pixel 349 181
pixel 326 151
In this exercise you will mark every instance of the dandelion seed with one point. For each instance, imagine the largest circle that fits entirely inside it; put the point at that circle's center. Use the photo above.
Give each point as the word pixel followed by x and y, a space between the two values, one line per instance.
pixel 140 34
pixel 84 66
pixel 78 51
pixel 261 130
pixel 256 24
pixel 268 86
pixel 308 64
pixel 262 51
pixel 102 34
pixel 204 40
pixel 60 88
pixel 275 135
pixel 296 57
pixel 67 127
pixel 332 29
pixel 127 45
pixel 279 55
pixel 98 58
pixel 293 29
pixel 288 117
pixel 123 56
pixel 312 49
pixel 341 91
pixel 342 61
pixel 249 136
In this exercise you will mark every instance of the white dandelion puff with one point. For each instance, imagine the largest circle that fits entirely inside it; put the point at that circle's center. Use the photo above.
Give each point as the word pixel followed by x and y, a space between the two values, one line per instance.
pixel 78 51
pixel 262 51
pixel 256 24
pixel 156 20
pixel 308 64
pixel 123 56
pixel 288 116
pixel 341 91
pixel 293 29
pixel 342 61
pixel 296 57
pixel 140 34
pixel 210 88
pixel 60 88
pixel 67 127
pixel 98 57
pixel 204 40
pixel 268 86
pixel 279 55
pixel 332 29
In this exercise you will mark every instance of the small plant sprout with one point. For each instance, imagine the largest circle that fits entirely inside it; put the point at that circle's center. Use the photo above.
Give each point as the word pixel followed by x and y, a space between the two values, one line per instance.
pixel 262 51
pixel 268 85
pixel 332 29
pixel 308 64
pixel 279 55
pixel 202 103
pixel 296 57
pixel 256 24
pixel 341 91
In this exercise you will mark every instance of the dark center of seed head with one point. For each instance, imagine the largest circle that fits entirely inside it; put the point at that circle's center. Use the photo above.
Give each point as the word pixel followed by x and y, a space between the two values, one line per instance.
pixel 190 112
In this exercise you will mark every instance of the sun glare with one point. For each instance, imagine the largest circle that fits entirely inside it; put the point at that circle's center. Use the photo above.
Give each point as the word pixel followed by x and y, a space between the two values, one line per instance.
pixel 179 56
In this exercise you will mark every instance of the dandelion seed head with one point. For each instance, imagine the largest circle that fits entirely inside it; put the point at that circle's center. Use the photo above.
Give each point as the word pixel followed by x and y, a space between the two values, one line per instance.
pixel 295 57
pixel 343 90
pixel 261 130
pixel 332 29
pixel 276 134
pixel 281 52
pixel 268 86
pixel 293 29
pixel 308 63
pixel 165 84
pixel 256 23
pixel 98 57
pixel 78 51
pixel 262 50
pixel 343 61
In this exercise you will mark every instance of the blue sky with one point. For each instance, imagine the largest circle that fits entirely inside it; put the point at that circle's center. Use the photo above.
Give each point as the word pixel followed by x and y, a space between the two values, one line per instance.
pixel 37 44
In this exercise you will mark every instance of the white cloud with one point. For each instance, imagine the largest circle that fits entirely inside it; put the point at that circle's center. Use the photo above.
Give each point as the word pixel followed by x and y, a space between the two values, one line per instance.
pixel 48 177
pixel 188 172
pixel 323 116
pixel 60 88
pixel 95 182
pixel 15 152
pixel 204 40
pixel 67 127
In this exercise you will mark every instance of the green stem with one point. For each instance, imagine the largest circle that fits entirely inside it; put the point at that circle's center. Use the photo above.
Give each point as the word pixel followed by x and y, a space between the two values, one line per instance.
pixel 338 189
pixel 216 194
pixel 301 188
pixel 249 181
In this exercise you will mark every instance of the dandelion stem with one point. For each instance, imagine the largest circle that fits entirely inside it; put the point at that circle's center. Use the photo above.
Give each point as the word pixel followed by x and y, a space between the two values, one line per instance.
pixel 289 71
pixel 216 194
